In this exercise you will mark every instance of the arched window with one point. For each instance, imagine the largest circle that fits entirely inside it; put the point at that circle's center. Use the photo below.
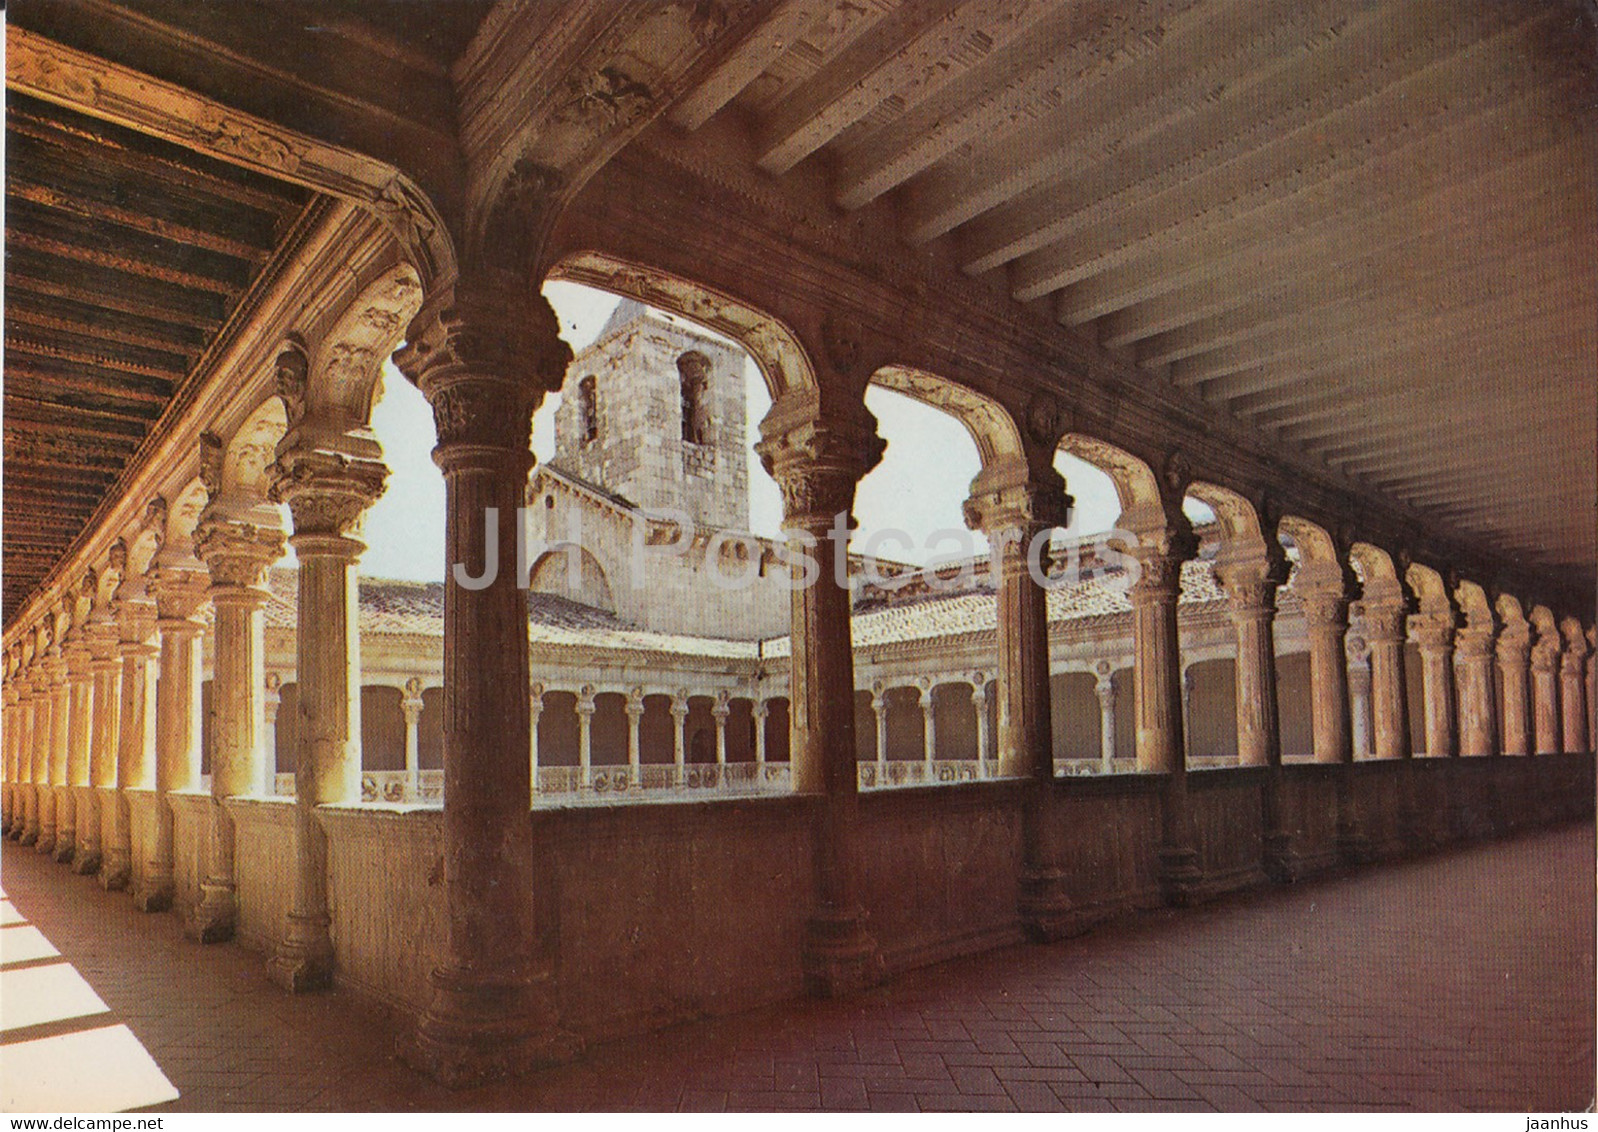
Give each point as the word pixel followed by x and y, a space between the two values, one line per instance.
pixel 693 371
pixel 588 409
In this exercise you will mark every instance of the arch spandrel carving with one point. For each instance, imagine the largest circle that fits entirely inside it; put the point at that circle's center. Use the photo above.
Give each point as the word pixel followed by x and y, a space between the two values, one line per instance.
pixel 990 425
pixel 346 360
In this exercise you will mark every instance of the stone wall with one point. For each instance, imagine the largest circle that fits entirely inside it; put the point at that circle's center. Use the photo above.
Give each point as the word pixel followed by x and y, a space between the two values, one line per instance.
pixel 655 913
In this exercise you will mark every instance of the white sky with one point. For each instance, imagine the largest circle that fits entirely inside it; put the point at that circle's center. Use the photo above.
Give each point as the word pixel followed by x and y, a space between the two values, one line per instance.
pixel 918 488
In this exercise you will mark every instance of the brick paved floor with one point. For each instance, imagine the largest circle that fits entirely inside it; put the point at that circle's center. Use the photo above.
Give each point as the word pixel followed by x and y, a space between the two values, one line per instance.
pixel 1460 981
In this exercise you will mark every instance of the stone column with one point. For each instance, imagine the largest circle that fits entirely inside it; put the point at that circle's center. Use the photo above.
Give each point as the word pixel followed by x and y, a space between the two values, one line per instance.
pixel 761 714
pixel 9 738
pixel 136 617
pixel 26 827
pixel 1514 654
pixel 1592 685
pixel 1545 691
pixel 585 737
pixel 107 698
pixel 720 713
pixel 817 461
pixel 1016 507
pixel 879 715
pixel 484 351
pixel 535 712
pixel 1157 687
pixel 1326 617
pixel 1188 682
pixel 635 720
pixel 179 591
pixel 679 745
pixel 55 776
pixel 328 478
pixel 929 730
pixel 72 836
pixel 1359 697
pixel 273 701
pixel 1385 624
pixel 1434 632
pixel 1250 579
pixel 1474 672
pixel 1573 689
pixel 237 555
pixel 412 705
pixel 980 697
pixel 1105 690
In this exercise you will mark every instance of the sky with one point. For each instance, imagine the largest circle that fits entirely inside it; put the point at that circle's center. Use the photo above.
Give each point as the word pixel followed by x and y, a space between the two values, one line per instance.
pixel 918 488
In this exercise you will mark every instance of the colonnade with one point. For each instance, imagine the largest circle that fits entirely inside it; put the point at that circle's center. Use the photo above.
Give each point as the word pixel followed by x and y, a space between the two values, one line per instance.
pixel 101 696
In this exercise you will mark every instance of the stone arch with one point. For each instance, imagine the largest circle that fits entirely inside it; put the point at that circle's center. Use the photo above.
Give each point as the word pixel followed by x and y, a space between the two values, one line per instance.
pixel 1375 568
pixel 775 348
pixel 1136 486
pixel 1319 563
pixel 1241 527
pixel 1510 610
pixel 1473 602
pixel 1429 588
pixel 182 516
pixel 346 366
pixel 247 455
pixel 992 429
pixel 551 574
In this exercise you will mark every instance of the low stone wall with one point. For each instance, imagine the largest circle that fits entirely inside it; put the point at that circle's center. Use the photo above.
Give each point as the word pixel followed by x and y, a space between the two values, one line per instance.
pixel 655 913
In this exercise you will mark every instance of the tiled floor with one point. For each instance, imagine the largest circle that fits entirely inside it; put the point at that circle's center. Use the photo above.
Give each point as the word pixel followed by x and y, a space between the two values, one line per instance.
pixel 1461 981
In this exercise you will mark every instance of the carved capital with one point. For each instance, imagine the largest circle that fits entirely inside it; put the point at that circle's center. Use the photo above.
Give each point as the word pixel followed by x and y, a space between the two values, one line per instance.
pixel 179 591
pixel 484 355
pixel 1325 609
pixel 817 466
pixel 1433 631
pixel 1385 622
pixel 326 491
pixel 1251 583
pixel 1025 507
pixel 236 553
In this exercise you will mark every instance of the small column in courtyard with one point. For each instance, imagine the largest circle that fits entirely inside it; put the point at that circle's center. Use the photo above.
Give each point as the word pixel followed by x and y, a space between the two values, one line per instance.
pixel 929 727
pixel 1433 630
pixel 1104 689
pixel 635 719
pixel 1514 669
pixel 1325 608
pixel 26 828
pixel 272 702
pixel 484 350
pixel 237 539
pixel 720 713
pixel 1386 617
pixel 761 713
pixel 879 718
pixel 585 736
pixel 679 740
pixel 817 458
pixel 1016 507
pixel 1573 688
pixel 535 712
pixel 1592 685
pixel 411 705
pixel 1473 668
pixel 981 697
pixel 8 738
pixel 1545 656
pixel 328 477
pixel 1359 697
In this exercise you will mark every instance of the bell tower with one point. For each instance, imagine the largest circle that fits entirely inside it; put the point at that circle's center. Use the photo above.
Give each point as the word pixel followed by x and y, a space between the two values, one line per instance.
pixel 653 412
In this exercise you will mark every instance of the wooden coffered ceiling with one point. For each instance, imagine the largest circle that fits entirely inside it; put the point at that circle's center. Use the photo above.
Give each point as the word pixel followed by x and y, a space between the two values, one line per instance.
pixel 1363 230
pixel 124 257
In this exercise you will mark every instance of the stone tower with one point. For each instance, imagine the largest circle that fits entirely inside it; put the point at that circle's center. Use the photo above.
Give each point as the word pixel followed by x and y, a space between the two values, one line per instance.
pixel 653 411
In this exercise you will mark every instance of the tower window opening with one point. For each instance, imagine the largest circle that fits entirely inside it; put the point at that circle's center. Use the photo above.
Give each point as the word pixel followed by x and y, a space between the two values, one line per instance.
pixel 588 409
pixel 693 370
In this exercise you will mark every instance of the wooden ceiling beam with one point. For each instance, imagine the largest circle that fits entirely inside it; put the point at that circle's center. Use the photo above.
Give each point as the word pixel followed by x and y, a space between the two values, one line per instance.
pixel 33 313
pixel 36 276
pixel 21 186
pixel 746 62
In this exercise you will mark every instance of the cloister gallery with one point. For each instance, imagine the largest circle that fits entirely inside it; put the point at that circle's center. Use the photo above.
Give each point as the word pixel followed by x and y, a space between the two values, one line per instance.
pixel 1310 283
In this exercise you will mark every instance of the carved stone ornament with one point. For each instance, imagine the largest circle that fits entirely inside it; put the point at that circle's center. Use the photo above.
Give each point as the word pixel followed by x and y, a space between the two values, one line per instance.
pixel 237 554
pixel 1178 472
pixel 27 67
pixel 213 454
pixel 292 370
pixel 1046 419
pixel 603 100
pixel 522 212
pixel 843 340
pixel 817 466
pixel 155 516
pixel 1027 508
pixel 327 492
pixel 236 137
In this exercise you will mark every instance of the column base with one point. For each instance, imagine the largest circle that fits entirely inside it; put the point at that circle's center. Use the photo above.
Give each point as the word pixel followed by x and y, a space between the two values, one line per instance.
pixel 839 956
pixel 215 917
pixel 1047 913
pixel 303 962
pixel 29 836
pixel 154 895
pixel 115 871
pixel 44 841
pixel 66 847
pixel 86 862
pixel 1280 860
pixel 1180 875
pixel 476 1031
